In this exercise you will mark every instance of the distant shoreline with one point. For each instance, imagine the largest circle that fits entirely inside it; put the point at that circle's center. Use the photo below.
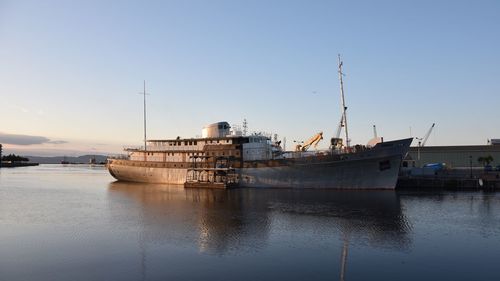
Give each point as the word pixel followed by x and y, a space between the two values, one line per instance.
pixel 17 164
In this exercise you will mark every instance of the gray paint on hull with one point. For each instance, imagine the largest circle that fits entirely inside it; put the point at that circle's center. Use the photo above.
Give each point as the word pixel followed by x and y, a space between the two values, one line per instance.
pixel 343 175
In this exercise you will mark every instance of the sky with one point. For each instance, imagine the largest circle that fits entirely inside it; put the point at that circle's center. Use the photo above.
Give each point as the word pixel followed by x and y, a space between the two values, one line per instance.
pixel 71 71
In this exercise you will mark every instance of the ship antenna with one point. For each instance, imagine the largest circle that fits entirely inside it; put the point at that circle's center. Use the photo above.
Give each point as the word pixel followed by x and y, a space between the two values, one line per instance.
pixel 344 108
pixel 245 127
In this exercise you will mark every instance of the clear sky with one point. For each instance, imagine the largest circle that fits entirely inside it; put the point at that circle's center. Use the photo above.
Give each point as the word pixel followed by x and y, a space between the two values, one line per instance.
pixel 71 71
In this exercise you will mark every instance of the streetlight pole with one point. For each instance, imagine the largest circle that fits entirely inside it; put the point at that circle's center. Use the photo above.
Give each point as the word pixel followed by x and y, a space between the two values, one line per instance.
pixel 470 163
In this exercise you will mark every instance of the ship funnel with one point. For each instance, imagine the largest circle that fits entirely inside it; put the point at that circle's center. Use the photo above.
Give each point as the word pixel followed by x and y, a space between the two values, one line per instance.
pixel 216 130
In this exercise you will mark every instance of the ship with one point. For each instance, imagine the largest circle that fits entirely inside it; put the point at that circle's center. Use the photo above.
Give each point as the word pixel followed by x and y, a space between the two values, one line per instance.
pixel 225 157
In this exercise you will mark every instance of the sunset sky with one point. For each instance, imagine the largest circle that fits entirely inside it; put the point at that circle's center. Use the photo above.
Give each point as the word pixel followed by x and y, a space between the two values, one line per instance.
pixel 71 71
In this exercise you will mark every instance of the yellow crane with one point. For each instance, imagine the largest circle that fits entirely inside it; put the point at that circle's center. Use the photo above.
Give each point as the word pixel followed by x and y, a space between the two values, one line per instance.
pixel 314 140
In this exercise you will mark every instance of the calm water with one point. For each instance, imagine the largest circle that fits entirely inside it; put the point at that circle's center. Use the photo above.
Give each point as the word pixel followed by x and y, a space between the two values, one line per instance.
pixel 76 223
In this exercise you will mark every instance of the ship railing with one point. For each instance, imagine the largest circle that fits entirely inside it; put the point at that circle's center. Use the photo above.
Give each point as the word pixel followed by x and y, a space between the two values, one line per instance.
pixel 162 148
pixel 133 148
pixel 323 152
pixel 118 157
pixel 174 148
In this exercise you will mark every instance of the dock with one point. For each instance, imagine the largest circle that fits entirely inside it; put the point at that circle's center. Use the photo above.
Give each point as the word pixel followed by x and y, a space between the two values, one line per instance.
pixel 448 183
pixel 451 179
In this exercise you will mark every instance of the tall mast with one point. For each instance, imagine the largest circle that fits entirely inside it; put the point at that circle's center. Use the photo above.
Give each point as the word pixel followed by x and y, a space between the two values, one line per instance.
pixel 344 108
pixel 144 93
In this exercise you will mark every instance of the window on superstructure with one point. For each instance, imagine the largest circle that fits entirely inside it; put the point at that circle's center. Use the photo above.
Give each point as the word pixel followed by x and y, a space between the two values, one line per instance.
pixel 179 143
pixel 195 142
pixel 185 142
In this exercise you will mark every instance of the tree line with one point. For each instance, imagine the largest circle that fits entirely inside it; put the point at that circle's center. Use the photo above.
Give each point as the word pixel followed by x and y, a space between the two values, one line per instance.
pixel 14 158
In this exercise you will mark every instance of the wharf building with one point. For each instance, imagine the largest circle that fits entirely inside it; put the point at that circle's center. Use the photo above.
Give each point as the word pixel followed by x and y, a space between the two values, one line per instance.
pixel 453 156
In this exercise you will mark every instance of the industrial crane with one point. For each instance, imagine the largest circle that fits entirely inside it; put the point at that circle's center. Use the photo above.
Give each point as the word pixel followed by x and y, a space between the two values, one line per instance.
pixel 423 140
pixel 314 140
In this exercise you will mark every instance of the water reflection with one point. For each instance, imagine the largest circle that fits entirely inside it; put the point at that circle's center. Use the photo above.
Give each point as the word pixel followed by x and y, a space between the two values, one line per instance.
pixel 217 221
pixel 224 219
pixel 69 223
pixel 227 222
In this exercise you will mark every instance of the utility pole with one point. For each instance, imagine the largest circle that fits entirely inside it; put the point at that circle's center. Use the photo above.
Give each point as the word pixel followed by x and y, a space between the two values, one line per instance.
pixel 470 164
pixel 344 108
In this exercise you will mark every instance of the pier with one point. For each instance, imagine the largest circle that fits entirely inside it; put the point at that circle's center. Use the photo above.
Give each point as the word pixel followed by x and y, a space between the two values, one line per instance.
pixel 450 179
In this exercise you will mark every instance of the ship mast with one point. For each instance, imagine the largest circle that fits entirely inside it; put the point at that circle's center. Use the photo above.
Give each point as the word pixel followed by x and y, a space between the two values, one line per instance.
pixel 344 108
pixel 144 94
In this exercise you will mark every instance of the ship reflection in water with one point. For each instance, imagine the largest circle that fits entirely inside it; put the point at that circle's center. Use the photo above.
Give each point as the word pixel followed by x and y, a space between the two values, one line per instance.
pixel 291 234
pixel 70 223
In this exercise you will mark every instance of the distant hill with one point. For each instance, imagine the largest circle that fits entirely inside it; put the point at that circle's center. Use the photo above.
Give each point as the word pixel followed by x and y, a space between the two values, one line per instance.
pixel 84 159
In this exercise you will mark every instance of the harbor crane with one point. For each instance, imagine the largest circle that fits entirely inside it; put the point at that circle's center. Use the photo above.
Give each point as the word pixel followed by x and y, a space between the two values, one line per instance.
pixel 314 140
pixel 423 141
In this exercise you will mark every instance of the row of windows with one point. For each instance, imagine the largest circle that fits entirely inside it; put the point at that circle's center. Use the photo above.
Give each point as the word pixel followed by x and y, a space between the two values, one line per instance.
pixel 237 153
pixel 186 142
pixel 157 165
pixel 173 153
